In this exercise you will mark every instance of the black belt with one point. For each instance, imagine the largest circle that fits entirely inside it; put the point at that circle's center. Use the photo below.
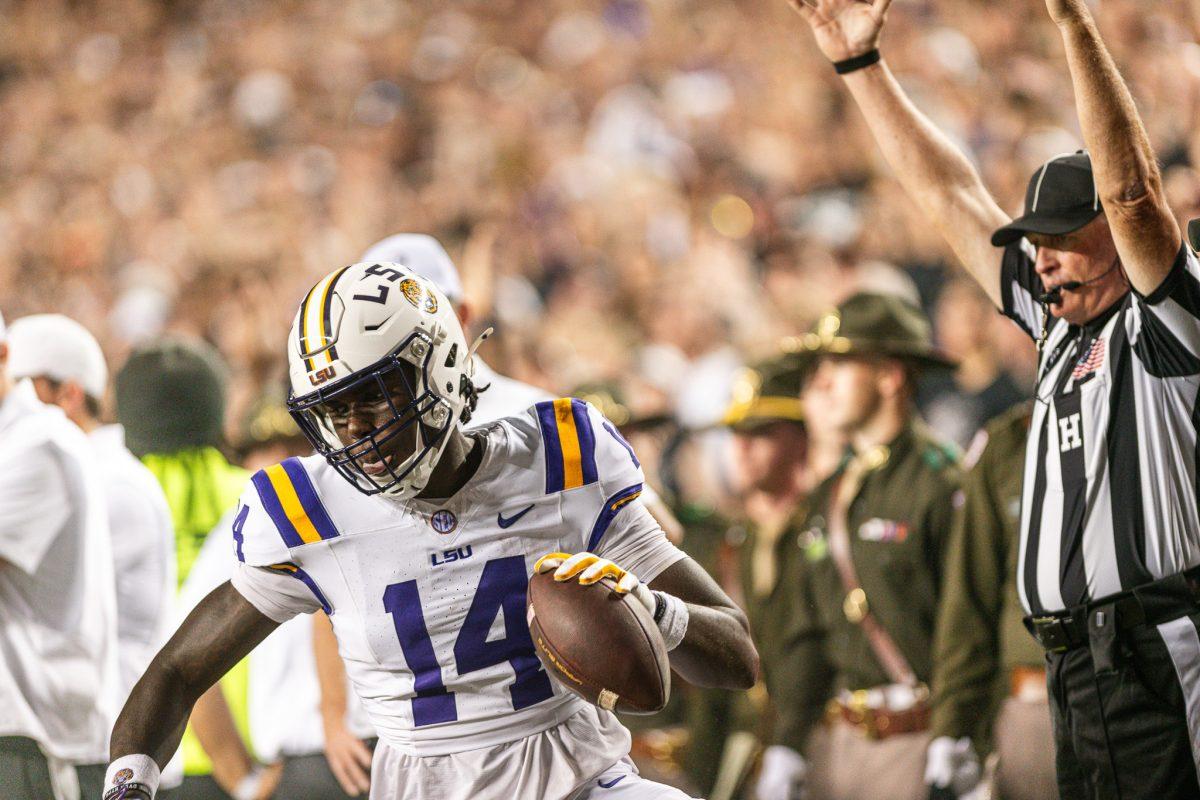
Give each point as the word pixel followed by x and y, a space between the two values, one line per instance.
pixel 1151 604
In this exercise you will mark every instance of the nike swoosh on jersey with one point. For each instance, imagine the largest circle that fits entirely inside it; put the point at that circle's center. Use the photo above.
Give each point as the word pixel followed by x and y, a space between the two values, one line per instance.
pixel 611 783
pixel 507 522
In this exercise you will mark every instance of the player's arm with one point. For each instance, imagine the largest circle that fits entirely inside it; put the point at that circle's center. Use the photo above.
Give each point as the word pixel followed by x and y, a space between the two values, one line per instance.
pixel 716 650
pixel 706 634
pixel 934 172
pixel 217 634
pixel 1127 176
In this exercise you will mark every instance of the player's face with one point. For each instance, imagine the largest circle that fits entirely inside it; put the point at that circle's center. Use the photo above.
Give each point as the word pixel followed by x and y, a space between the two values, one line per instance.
pixel 767 453
pixel 1080 256
pixel 849 389
pixel 372 415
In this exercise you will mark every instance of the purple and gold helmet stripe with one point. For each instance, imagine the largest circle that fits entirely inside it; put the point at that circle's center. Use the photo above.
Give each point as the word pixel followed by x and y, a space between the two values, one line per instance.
pixel 570 444
pixel 315 314
pixel 612 507
pixel 326 309
pixel 292 503
pixel 289 568
pixel 304 346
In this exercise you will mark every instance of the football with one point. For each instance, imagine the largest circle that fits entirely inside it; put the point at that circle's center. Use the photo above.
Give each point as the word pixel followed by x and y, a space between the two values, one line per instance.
pixel 601 645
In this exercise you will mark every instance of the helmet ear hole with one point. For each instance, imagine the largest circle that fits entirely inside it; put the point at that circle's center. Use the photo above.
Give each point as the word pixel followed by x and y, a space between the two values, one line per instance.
pixel 436 416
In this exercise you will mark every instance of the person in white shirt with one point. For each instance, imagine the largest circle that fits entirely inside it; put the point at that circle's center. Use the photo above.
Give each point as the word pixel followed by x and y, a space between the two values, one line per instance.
pixel 59 679
pixel 66 366
pixel 381 381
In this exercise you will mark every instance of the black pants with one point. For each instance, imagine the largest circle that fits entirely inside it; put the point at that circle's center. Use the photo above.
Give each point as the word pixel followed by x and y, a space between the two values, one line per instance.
pixel 200 787
pixel 308 778
pixel 1119 715
pixel 24 774
pixel 23 771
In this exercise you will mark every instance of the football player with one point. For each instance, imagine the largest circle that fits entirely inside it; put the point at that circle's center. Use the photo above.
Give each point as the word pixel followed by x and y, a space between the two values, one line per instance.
pixel 418 538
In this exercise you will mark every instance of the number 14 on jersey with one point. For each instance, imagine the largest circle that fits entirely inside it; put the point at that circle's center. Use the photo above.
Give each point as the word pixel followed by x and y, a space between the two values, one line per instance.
pixel 502 589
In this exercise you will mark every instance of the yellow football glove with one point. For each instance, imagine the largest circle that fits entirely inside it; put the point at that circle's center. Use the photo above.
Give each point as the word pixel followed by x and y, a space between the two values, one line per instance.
pixel 589 568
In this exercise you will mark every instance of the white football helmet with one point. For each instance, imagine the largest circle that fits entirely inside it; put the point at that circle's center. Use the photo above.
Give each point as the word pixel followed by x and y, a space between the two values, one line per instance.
pixel 380 332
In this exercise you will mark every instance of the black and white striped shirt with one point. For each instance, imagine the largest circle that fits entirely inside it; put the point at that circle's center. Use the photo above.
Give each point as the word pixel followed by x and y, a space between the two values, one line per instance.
pixel 1113 463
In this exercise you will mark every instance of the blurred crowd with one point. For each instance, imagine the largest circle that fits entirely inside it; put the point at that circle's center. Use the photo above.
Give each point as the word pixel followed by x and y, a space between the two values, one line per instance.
pixel 655 187
pixel 642 196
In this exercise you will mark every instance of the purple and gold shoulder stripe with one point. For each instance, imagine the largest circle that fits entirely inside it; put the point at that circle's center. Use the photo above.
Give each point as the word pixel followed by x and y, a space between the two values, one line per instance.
pixel 612 507
pixel 291 501
pixel 570 444
pixel 288 568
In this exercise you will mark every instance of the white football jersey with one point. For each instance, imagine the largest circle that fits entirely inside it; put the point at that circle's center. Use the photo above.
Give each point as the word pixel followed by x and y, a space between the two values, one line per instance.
pixel 284 698
pixel 428 599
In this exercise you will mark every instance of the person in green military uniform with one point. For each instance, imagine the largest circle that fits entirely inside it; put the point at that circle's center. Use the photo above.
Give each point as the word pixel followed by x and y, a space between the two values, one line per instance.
pixel 170 396
pixel 868 567
pixel 989 677
pixel 771 476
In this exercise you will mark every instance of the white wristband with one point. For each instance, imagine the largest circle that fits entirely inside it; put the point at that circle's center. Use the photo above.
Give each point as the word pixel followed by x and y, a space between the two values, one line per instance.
pixel 674 620
pixel 247 788
pixel 140 769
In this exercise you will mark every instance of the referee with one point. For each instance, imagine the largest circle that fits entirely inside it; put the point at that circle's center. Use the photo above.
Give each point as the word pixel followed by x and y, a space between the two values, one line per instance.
pixel 1095 271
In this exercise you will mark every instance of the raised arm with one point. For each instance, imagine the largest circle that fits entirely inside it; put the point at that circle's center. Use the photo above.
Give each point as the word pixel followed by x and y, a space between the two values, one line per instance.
pixel 1127 176
pixel 218 633
pixel 929 166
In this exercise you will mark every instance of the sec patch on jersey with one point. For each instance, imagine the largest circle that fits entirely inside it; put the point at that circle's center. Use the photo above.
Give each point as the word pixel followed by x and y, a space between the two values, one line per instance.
pixel 601 645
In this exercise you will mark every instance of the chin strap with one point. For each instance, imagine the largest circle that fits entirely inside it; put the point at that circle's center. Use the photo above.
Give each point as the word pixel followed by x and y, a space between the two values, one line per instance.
pixel 467 387
pixel 480 339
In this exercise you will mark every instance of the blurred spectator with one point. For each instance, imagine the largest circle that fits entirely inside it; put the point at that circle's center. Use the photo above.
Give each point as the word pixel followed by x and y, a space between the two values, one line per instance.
pixel 67 369
pixel 989 676
pixel 865 586
pixel 979 388
pixel 170 398
pixel 771 480
pixel 499 396
pixel 59 677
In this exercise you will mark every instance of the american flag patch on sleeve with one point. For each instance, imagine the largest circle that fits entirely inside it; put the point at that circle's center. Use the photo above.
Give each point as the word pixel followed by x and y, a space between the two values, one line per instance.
pixel 1090 361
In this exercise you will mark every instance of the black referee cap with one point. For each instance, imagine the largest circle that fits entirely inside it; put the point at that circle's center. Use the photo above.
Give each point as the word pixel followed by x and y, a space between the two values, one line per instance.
pixel 1061 197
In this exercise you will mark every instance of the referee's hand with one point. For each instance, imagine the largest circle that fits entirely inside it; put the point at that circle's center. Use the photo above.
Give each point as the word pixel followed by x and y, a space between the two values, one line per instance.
pixel 844 28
